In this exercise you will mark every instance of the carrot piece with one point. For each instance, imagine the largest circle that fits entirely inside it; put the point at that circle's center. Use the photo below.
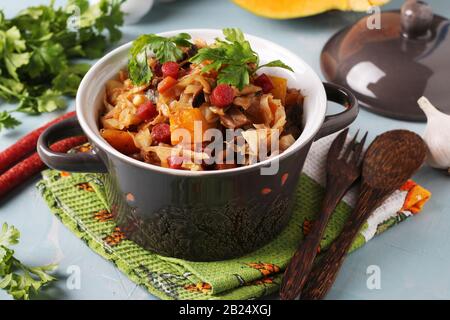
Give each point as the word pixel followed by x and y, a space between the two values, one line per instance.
pixel 120 140
pixel 27 168
pixel 166 84
pixel 26 145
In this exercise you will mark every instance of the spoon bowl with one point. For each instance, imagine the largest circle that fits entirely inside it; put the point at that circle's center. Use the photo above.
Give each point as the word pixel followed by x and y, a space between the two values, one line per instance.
pixel 392 158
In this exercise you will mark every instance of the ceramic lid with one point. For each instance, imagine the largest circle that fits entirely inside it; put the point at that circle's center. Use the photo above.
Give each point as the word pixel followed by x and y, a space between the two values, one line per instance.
pixel 391 67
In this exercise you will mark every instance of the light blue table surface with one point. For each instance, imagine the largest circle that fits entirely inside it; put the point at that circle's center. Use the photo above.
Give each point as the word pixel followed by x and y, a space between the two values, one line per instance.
pixel 414 257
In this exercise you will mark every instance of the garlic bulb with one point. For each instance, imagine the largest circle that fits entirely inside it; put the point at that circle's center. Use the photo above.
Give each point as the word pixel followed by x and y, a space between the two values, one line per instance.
pixel 437 135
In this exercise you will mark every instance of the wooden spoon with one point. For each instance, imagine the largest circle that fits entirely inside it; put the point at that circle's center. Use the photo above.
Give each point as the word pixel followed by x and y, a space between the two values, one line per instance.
pixel 388 163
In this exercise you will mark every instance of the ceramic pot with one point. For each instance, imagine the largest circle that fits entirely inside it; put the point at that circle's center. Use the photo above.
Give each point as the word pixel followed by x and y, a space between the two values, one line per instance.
pixel 207 215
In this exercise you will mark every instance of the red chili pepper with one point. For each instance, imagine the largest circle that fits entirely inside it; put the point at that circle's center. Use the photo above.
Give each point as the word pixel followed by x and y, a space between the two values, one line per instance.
pixel 222 96
pixel 264 82
pixel 146 111
pixel 170 69
pixel 175 162
pixel 26 145
pixel 161 133
pixel 27 168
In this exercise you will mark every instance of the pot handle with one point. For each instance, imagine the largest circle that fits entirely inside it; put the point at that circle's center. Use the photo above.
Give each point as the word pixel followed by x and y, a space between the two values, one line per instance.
pixel 75 162
pixel 336 122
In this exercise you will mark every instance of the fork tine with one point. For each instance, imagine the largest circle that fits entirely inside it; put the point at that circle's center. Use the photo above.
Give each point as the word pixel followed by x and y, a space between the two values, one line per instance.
pixel 336 146
pixel 350 147
pixel 358 149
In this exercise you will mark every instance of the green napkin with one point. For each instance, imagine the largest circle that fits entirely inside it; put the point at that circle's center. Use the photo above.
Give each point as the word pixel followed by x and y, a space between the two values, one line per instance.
pixel 78 200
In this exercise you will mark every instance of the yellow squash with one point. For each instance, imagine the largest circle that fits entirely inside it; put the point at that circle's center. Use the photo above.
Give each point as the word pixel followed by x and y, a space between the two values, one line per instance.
pixel 279 88
pixel 186 119
pixel 287 9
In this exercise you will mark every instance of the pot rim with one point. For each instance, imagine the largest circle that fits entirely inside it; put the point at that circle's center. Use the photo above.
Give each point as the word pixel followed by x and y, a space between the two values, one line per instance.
pixel 303 140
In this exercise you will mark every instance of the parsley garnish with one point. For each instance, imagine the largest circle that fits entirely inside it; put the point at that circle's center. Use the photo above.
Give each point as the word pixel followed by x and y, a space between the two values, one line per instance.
pixel 164 49
pixel 276 63
pixel 16 278
pixel 233 58
pixel 37 49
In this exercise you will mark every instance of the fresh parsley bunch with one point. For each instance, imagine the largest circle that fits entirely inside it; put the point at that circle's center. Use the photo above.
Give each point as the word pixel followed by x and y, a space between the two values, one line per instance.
pixel 38 48
pixel 16 278
pixel 233 58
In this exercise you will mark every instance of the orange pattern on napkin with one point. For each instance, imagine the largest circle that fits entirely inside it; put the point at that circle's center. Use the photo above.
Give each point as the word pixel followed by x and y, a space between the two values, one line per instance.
pixel 416 198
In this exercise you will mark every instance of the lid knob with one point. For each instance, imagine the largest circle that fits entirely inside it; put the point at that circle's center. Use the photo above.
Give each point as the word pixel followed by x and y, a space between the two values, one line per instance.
pixel 417 17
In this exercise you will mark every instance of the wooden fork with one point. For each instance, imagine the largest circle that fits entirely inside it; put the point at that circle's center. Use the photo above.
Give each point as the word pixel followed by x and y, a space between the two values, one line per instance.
pixel 342 172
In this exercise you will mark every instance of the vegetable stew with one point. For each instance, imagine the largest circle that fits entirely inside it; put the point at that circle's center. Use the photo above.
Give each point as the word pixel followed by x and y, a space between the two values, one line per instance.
pixel 188 105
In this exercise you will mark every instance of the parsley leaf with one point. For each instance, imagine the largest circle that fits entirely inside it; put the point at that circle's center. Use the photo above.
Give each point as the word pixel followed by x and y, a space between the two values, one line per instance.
pixel 139 70
pixel 234 35
pixel 49 57
pixel 68 83
pixel 234 75
pixel 38 46
pixel 10 88
pixel 110 18
pixel 50 101
pixel 16 278
pixel 9 235
pixel 233 58
pixel 164 48
pixel 7 121
pixel 11 48
pixel 276 63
